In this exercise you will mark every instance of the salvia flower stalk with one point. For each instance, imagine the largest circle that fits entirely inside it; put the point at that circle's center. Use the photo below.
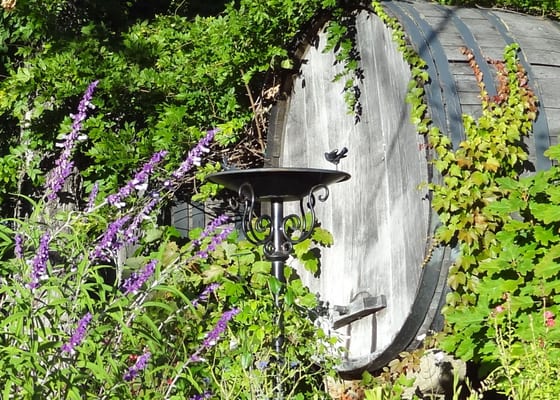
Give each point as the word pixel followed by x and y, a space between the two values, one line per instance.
pixel 39 263
pixel 214 242
pixel 208 290
pixel 92 196
pixel 64 164
pixel 131 234
pixel 141 363
pixel 194 157
pixel 137 279
pixel 212 337
pixel 78 335
pixel 211 227
pixel 18 246
pixel 139 182
pixel 203 396
pixel 109 240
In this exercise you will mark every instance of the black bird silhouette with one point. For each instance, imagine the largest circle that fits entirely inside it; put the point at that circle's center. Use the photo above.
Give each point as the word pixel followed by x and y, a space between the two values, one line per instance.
pixel 335 156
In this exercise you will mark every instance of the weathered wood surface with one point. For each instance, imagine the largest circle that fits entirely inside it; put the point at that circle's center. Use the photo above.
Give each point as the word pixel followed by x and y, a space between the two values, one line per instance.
pixel 381 218
pixel 487 32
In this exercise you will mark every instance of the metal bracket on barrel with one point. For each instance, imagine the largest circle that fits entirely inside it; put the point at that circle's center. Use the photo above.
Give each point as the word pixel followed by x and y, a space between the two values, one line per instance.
pixel 358 308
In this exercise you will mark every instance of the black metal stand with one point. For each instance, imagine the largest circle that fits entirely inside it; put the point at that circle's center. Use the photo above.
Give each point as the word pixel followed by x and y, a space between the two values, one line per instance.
pixel 275 232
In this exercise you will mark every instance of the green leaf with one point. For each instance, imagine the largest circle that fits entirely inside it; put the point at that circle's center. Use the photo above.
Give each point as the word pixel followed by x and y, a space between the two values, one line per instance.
pixel 274 284
pixel 261 267
pixel 322 236
pixel 553 152
pixel 548 266
pixel 508 183
pixel 547 213
pixel 545 235
pixel 158 304
pixel 492 266
pixel 153 234
pixel 310 262
pixel 521 303
pixel 213 273
pixel 301 248
pixel 98 370
pixel 506 206
pixel 553 192
pixel 465 350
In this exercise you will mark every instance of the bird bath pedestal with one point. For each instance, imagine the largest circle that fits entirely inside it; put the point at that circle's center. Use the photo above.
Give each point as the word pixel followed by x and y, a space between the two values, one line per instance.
pixel 276 232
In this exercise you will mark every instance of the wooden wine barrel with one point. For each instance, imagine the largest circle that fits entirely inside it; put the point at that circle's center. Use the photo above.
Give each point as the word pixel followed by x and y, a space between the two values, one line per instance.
pixel 382 278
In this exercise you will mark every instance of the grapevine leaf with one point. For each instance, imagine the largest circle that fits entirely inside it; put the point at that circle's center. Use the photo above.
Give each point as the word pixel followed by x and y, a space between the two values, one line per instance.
pixel 547 213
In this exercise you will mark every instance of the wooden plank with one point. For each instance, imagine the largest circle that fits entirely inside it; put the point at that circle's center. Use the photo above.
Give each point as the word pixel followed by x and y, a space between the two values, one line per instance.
pixel 470 98
pixel 473 110
pixel 553 118
pixel 466 83
pixel 529 26
pixel 543 72
pixel 549 90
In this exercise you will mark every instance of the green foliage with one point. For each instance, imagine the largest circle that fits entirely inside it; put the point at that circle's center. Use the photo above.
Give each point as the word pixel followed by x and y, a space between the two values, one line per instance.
pixel 415 95
pixel 505 226
pixel 550 8
pixel 383 390
pixel 528 369
pixel 341 39
pixel 48 287
pixel 165 73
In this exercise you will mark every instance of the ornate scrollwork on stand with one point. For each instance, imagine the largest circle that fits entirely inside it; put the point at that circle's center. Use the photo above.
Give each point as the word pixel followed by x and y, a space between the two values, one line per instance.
pixel 293 228
pixel 256 229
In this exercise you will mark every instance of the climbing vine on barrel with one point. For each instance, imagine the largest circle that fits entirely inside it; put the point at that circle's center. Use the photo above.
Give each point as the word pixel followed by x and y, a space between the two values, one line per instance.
pixel 505 225
pixel 504 292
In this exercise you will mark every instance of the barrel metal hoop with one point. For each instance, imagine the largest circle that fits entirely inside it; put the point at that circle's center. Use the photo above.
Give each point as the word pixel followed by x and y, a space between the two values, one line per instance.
pixel 441 90
pixel 472 44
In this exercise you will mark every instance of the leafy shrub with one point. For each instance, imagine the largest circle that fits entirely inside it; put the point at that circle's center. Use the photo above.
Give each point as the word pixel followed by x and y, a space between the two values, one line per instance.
pixel 504 223
pixel 98 301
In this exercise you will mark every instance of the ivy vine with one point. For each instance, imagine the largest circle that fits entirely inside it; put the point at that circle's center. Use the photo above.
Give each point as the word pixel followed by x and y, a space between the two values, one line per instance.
pixel 504 222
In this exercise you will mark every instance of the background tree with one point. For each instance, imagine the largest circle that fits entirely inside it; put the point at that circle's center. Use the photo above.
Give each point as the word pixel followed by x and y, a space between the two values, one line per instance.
pixel 168 71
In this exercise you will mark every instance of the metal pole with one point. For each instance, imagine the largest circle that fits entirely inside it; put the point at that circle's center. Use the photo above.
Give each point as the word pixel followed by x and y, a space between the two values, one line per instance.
pixel 278 259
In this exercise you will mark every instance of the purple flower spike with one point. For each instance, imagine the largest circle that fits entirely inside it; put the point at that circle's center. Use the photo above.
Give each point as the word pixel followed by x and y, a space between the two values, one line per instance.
pixel 205 293
pixel 63 165
pixel 18 246
pixel 131 233
pixel 92 196
pixel 216 240
pixel 140 364
pixel 39 264
pixel 212 337
pixel 78 335
pixel 136 280
pixel 109 240
pixel 211 227
pixel 206 395
pixel 139 182
pixel 195 155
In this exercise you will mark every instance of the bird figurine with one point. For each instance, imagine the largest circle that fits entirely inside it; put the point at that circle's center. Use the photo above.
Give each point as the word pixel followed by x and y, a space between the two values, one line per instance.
pixel 335 156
